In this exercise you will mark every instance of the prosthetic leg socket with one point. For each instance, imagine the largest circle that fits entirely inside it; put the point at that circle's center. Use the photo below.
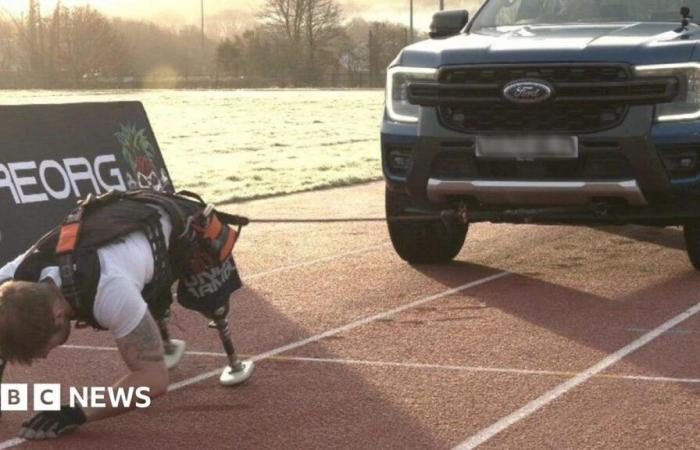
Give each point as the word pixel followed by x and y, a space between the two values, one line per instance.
pixel 173 348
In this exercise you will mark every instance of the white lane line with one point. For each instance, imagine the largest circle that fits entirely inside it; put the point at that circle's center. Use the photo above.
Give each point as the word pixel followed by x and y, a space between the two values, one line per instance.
pixel 193 380
pixel 375 317
pixel 548 397
pixel 11 443
pixel 646 330
pixel 315 261
pixel 475 369
pixel 658 379
pixel 344 328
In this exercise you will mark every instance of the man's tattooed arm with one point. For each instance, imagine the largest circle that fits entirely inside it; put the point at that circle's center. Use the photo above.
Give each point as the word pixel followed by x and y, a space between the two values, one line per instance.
pixel 142 351
pixel 143 345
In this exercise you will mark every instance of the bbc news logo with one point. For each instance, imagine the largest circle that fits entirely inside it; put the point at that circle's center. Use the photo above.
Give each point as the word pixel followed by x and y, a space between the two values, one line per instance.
pixel 47 397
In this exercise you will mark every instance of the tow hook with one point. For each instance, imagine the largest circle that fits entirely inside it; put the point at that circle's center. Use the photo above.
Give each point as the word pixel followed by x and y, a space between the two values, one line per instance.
pixel 463 214
pixel 601 209
pixel 460 215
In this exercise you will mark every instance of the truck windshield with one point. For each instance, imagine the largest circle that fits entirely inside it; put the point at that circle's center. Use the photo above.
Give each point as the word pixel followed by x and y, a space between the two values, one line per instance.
pixel 499 13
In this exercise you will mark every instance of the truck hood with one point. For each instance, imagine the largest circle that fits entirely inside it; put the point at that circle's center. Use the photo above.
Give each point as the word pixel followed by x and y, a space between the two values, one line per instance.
pixel 634 43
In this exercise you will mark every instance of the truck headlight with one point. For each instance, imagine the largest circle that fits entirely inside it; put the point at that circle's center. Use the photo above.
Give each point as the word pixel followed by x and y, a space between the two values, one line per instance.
pixel 686 106
pixel 397 81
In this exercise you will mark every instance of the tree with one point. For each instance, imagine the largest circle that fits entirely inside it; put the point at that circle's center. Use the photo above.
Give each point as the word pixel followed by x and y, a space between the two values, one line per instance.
pixel 55 37
pixel 322 25
pixel 307 26
pixel 264 58
pixel 229 23
pixel 370 47
pixel 90 45
pixel 354 50
pixel 387 41
pixel 286 15
pixel 285 18
pixel 32 36
pixel 228 56
pixel 8 45
pixel 33 41
pixel 152 48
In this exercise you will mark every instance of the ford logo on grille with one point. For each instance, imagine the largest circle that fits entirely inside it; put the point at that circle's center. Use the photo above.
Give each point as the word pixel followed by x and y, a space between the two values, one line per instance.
pixel 525 91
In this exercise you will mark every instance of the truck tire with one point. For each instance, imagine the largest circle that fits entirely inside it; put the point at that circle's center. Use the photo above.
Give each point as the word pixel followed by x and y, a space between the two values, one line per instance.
pixel 422 242
pixel 691 230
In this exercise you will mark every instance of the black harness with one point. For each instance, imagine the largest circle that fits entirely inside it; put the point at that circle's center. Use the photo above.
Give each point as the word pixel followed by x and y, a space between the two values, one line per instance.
pixel 98 221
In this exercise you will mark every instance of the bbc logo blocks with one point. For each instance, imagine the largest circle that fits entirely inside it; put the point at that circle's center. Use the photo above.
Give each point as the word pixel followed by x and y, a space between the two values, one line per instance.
pixel 15 397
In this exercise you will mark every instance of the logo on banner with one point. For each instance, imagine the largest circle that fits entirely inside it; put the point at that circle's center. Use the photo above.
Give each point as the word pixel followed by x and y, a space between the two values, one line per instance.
pixel 141 157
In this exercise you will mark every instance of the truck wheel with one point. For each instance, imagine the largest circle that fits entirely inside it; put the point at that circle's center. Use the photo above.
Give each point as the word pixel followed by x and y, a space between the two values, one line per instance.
pixel 691 230
pixel 422 242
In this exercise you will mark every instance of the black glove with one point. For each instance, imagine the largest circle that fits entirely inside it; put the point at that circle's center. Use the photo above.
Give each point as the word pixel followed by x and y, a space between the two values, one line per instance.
pixel 52 424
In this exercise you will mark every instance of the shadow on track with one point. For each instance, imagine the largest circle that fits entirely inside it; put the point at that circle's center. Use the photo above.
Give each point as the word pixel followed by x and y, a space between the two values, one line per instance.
pixel 667 237
pixel 601 323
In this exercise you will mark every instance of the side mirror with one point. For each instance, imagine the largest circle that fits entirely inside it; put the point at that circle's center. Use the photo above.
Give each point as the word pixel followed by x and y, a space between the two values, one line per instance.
pixel 448 23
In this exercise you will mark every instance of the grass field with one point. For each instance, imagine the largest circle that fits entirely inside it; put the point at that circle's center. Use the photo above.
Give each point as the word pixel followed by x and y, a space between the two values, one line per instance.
pixel 238 145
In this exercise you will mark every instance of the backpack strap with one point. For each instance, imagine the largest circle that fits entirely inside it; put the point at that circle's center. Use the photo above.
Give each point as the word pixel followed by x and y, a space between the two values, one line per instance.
pixel 69 233
pixel 157 292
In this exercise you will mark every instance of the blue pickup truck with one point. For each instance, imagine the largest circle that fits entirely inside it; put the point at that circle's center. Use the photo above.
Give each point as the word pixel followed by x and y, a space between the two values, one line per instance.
pixel 544 111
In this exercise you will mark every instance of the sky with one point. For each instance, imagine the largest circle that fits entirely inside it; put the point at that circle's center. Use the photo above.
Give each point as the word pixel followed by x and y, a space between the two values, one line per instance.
pixel 188 11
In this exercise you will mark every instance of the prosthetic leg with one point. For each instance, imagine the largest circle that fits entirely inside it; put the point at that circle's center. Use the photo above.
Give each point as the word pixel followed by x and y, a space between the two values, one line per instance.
pixel 238 371
pixel 173 348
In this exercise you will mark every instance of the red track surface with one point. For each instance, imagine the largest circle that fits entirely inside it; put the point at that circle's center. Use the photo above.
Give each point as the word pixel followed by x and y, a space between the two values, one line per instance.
pixel 573 297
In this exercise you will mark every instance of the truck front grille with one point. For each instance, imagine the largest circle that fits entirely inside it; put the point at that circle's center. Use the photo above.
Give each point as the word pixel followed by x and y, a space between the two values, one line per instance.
pixel 553 117
pixel 587 98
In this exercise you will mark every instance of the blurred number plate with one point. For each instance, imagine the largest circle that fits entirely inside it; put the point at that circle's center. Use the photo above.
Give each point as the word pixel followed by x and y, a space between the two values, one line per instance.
pixel 527 147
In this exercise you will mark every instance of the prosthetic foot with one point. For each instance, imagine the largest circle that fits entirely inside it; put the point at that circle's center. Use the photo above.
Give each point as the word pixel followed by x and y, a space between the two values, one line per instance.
pixel 238 371
pixel 173 348
pixel 173 352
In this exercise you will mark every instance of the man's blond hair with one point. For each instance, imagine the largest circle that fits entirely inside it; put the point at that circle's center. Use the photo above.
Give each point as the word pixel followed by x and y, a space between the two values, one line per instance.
pixel 26 320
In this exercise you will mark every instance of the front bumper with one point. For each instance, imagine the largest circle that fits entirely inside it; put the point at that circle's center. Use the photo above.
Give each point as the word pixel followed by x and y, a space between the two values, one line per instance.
pixel 647 193
pixel 553 193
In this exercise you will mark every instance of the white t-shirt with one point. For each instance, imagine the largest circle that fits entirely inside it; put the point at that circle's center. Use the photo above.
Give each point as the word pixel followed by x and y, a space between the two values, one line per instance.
pixel 125 268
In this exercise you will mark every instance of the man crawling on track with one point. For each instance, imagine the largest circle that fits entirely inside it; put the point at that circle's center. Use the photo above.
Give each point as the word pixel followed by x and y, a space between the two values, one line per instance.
pixel 111 265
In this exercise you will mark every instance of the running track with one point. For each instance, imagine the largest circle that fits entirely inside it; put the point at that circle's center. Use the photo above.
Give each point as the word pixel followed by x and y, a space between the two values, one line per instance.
pixel 536 337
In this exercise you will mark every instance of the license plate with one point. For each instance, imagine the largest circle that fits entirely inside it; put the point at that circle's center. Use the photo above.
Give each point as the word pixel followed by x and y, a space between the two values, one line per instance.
pixel 527 147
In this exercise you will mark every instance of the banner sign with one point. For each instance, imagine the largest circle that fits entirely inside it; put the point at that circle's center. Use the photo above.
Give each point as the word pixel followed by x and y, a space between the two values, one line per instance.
pixel 53 155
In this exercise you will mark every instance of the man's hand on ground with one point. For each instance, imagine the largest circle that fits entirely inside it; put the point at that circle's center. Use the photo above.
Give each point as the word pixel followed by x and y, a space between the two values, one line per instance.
pixel 52 424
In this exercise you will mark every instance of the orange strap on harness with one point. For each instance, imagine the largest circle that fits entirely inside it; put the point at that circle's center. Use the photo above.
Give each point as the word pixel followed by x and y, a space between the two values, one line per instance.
pixel 70 229
pixel 68 238
pixel 69 233
pixel 220 238
pixel 67 243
